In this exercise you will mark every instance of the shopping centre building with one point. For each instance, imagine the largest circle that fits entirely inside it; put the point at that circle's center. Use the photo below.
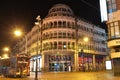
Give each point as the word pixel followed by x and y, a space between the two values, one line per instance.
pixel 64 42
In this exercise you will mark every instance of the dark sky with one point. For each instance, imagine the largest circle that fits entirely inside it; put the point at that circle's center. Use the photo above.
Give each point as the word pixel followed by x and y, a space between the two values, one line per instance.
pixel 22 14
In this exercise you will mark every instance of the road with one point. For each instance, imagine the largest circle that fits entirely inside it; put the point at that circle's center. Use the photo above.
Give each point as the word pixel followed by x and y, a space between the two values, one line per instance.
pixel 106 75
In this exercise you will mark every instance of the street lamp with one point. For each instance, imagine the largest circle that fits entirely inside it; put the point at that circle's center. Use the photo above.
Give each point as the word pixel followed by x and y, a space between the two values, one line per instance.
pixel 38 24
pixel 6 49
pixel 85 39
pixel 18 33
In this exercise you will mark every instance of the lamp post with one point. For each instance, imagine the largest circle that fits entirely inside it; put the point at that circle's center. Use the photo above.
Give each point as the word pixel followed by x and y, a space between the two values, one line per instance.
pixel 18 33
pixel 85 39
pixel 38 24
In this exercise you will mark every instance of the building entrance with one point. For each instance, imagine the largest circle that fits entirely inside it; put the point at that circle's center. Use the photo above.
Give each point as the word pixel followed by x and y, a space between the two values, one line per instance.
pixel 60 63
pixel 59 66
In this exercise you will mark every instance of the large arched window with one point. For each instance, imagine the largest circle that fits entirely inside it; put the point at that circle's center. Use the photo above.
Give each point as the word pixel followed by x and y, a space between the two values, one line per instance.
pixel 59 24
pixel 55 45
pixel 55 24
pixel 64 24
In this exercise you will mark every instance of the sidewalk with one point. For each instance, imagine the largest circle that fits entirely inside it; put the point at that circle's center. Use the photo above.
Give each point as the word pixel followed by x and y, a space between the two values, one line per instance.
pixel 106 75
pixel 103 75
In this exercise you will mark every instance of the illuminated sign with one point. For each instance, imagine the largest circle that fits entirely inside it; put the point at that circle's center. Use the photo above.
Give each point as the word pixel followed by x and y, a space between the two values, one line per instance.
pixel 103 10
pixel 108 65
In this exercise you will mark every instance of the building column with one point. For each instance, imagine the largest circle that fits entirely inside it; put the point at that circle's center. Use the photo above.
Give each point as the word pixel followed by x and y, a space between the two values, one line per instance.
pixel 43 62
pixel 31 65
pixel 76 66
pixel 38 64
pixel 94 63
pixel 104 60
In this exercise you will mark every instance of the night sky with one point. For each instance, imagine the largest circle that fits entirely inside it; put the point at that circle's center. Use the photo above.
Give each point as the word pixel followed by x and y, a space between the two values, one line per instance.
pixel 22 14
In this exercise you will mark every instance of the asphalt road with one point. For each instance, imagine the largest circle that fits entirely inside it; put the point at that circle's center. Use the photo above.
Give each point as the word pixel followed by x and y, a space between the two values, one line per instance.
pixel 106 75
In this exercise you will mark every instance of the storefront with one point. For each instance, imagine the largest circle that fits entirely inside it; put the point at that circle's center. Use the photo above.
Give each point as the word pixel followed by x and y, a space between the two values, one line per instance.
pixel 60 63
pixel 33 63
pixel 86 62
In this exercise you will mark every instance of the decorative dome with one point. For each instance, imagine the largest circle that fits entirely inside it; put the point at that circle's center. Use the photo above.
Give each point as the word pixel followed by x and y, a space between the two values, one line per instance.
pixel 60 10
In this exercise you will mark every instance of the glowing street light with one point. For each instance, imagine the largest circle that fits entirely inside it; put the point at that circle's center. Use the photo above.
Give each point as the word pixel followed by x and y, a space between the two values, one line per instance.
pixel 6 49
pixel 17 32
pixel 85 39
pixel 5 56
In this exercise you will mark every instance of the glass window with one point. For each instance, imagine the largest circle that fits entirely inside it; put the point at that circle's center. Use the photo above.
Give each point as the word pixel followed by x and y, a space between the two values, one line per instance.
pixel 73 35
pixel 59 24
pixel 51 24
pixel 64 45
pixel 51 35
pixel 111 5
pixel 73 25
pixel 73 45
pixel 68 24
pixel 55 35
pixel 112 32
pixel 115 23
pixel 47 46
pixel 55 45
pixel 109 35
pixel 60 35
pixel 55 24
pixel 64 35
pixel 46 27
pixel 68 35
pixel 117 30
pixel 68 45
pixel 64 24
pixel 51 45
pixel 59 45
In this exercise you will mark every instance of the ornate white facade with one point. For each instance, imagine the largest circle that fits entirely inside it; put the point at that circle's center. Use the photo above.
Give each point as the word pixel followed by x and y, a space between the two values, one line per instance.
pixel 60 43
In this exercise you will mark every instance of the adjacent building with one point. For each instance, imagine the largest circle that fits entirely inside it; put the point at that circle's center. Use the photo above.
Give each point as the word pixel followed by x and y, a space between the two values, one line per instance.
pixel 57 42
pixel 113 25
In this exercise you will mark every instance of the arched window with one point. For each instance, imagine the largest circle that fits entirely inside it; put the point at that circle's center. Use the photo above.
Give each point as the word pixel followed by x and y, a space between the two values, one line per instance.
pixel 55 34
pixel 64 23
pixel 64 34
pixel 55 45
pixel 68 24
pixel 55 24
pixel 60 34
pixel 59 23
pixel 51 24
